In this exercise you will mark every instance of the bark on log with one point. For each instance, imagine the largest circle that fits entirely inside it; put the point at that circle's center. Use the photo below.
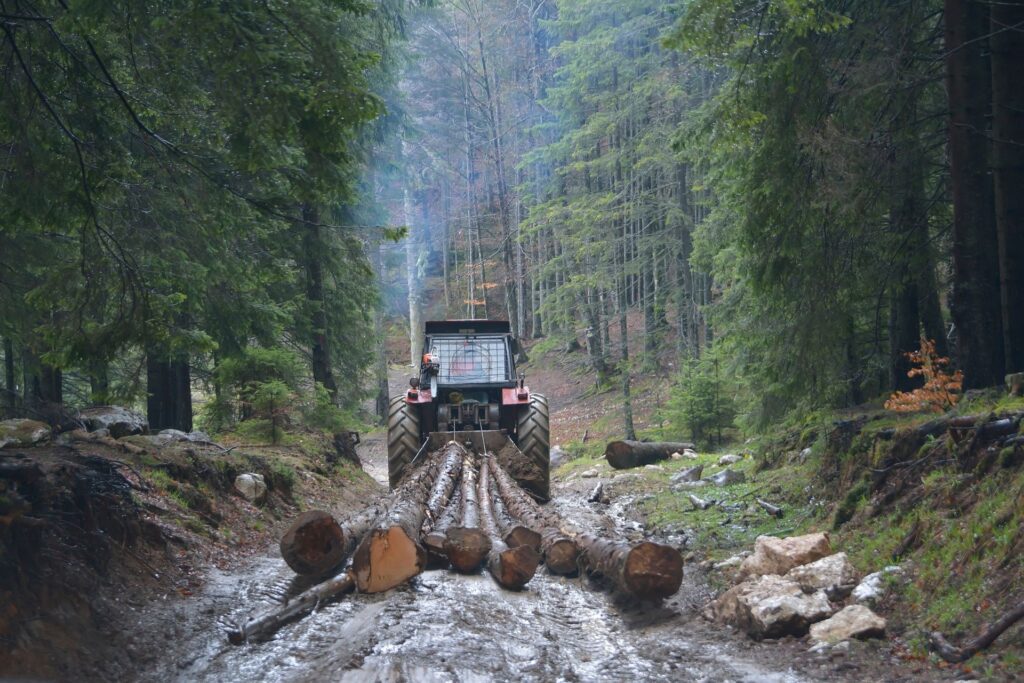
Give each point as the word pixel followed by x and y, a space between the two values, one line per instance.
pixel 391 553
pixel 561 554
pixel 646 570
pixel 466 545
pixel 316 543
pixel 451 456
pixel 954 654
pixel 624 455
pixel 512 533
pixel 302 604
pixel 433 540
pixel 512 568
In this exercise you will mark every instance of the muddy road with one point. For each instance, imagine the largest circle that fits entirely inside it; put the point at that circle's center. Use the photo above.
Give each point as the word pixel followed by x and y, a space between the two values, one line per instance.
pixel 448 627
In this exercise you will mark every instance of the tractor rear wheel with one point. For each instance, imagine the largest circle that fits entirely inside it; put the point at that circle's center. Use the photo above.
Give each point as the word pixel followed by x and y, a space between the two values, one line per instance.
pixel 533 436
pixel 403 438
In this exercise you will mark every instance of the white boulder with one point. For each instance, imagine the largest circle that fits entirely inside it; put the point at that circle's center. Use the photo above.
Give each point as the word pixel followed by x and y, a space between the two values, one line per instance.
pixel 854 621
pixel 770 607
pixel 251 486
pixel 21 433
pixel 833 574
pixel 120 421
pixel 778 555
pixel 874 586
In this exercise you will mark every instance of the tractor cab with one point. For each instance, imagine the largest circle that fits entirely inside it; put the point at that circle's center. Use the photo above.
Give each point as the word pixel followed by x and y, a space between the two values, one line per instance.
pixel 467 384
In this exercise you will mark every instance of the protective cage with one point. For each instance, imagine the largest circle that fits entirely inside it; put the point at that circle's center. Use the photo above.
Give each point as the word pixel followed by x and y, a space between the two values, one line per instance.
pixel 471 360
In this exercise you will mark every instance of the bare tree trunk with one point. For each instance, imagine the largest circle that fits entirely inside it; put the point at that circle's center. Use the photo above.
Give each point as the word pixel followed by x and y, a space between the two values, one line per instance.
pixel 1007 48
pixel 976 292
pixel 10 384
pixel 414 283
pixel 312 248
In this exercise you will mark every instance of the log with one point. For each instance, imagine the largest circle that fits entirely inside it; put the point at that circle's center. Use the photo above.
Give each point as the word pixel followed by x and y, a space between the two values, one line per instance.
pixel 512 568
pixel 451 456
pixel 391 553
pixel 302 604
pixel 624 455
pixel 951 653
pixel 645 570
pixel 433 540
pixel 561 554
pixel 773 510
pixel 512 533
pixel 466 544
pixel 316 543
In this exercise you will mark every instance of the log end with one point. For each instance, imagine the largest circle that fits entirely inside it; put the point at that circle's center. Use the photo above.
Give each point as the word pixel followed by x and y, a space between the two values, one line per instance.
pixel 562 557
pixel 387 558
pixel 521 535
pixel 653 570
pixel 466 548
pixel 434 544
pixel 314 543
pixel 619 455
pixel 514 567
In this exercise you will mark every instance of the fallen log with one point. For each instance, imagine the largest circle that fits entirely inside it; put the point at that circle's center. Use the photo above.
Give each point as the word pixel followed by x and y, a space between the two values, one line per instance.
pixel 624 455
pixel 302 604
pixel 466 544
pixel 561 554
pixel 512 568
pixel 512 533
pixel 391 553
pixel 951 653
pixel 433 540
pixel 451 466
pixel 316 543
pixel 645 570
pixel 773 510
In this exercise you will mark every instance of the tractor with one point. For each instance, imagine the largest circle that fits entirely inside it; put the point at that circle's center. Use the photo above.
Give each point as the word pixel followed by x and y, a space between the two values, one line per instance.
pixel 467 390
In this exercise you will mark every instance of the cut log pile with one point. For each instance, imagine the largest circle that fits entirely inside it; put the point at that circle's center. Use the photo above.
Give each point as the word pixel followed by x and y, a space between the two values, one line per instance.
pixel 460 509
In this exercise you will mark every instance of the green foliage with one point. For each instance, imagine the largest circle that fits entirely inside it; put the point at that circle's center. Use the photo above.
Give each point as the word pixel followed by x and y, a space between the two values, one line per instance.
pixel 700 403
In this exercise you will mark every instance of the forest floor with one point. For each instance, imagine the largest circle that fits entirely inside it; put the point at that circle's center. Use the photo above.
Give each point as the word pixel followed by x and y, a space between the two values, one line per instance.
pixel 174 557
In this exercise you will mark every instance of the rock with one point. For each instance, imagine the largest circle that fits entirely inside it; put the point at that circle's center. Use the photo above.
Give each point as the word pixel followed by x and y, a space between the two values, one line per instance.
pixel 598 495
pixel 778 555
pixel 833 574
pixel 729 460
pixel 19 433
pixel 1015 384
pixel 558 456
pixel 689 454
pixel 252 486
pixel 874 586
pixel 734 561
pixel 199 436
pixel 622 479
pixel 805 453
pixel 770 607
pixel 690 474
pixel 727 477
pixel 170 435
pixel 676 456
pixel 120 421
pixel 657 468
pixel 854 621
pixel 590 474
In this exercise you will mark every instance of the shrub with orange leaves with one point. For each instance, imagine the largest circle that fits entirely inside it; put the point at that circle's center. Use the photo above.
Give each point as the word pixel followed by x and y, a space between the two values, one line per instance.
pixel 941 388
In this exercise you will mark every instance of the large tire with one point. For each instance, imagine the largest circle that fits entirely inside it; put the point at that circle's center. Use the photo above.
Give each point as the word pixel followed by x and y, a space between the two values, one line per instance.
pixel 533 436
pixel 403 438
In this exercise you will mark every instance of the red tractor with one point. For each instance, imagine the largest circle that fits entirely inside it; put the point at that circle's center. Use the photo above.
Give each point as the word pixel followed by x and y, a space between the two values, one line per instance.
pixel 468 390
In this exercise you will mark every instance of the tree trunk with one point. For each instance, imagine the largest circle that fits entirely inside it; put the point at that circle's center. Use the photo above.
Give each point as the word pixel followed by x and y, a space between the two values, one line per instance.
pixel 99 382
pixel 380 368
pixel 511 532
pixel 1007 49
pixel 646 570
pixel 560 551
pixel 169 391
pixel 10 383
pixel 512 568
pixel 302 604
pixel 467 544
pixel 391 553
pixel 627 454
pixel 976 293
pixel 312 248
pixel 316 543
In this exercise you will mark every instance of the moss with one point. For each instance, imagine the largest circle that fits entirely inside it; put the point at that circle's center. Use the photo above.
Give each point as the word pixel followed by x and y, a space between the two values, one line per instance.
pixel 852 501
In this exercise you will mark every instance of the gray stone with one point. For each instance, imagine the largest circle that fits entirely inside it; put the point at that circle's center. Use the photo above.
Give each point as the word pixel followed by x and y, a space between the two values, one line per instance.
pixel 729 459
pixel 689 453
pixel 20 433
pixel 770 607
pixel 833 574
pixel 590 474
pixel 120 421
pixel 689 474
pixel 727 477
pixel 558 456
pixel 170 435
pixel 251 486
pixel 854 621
pixel 874 586
pixel 199 436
